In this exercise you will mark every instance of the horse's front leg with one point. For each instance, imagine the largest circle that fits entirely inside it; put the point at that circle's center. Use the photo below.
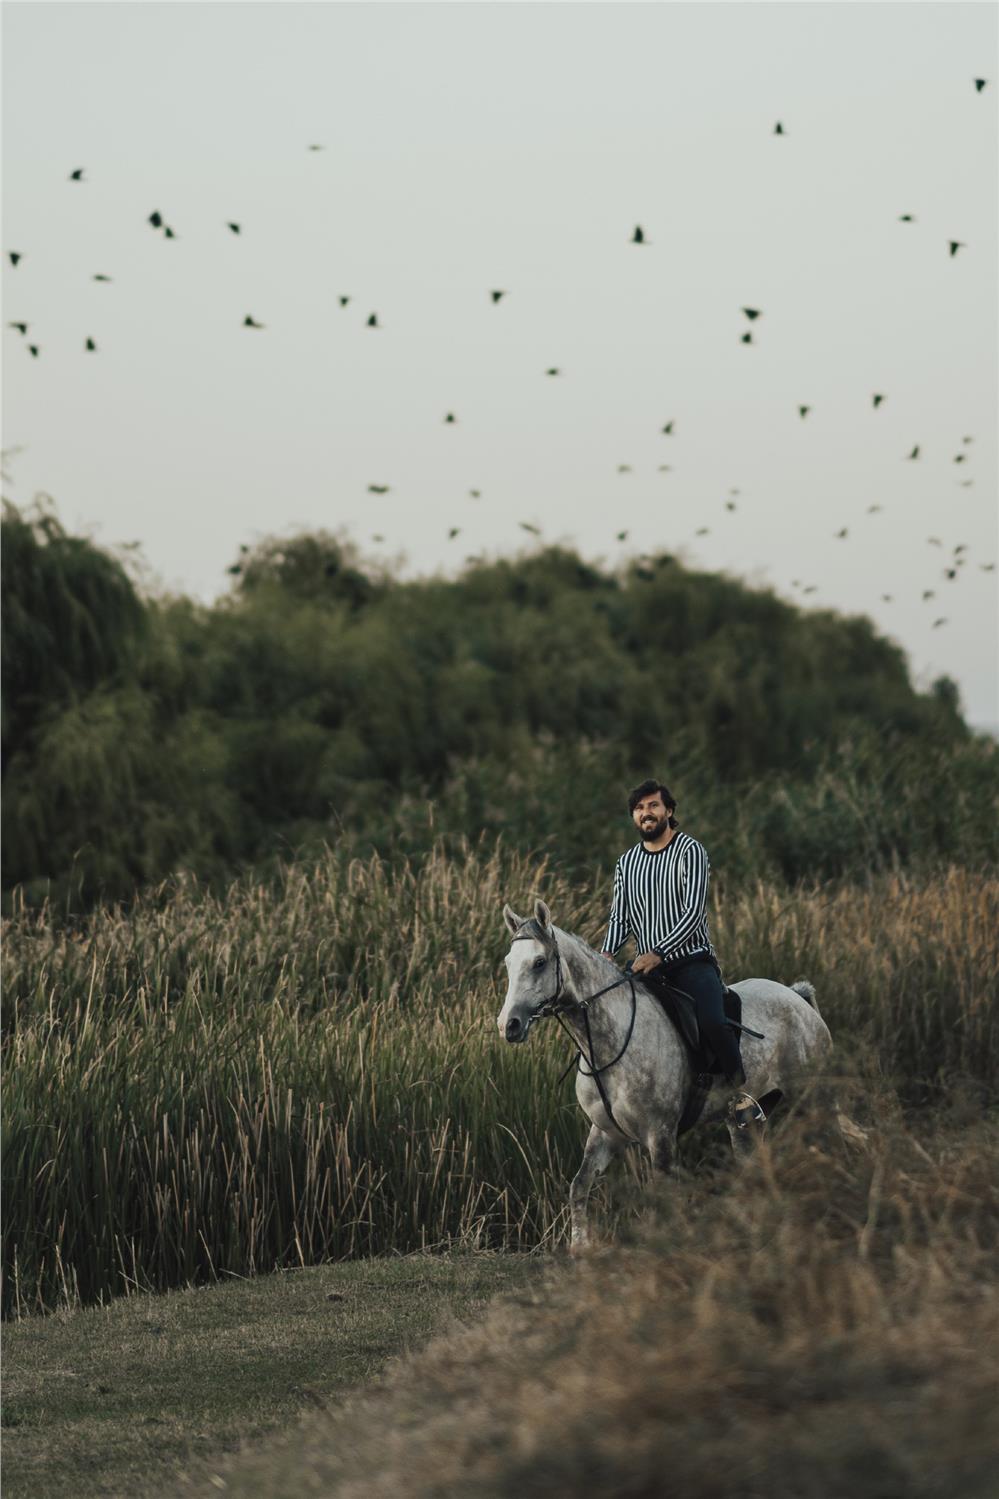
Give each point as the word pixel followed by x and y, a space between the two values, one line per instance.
pixel 598 1153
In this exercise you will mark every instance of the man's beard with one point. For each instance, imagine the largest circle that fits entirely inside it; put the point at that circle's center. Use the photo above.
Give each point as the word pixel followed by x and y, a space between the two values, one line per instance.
pixel 650 833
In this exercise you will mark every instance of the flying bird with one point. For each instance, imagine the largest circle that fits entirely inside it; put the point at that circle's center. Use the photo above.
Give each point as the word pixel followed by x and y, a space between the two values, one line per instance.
pixel 811 588
pixel 778 128
pixel 872 509
pixel 525 526
pixel 624 468
pixel 703 531
pixel 316 148
pixel 21 327
pixel 915 451
pixel 803 411
pixel 980 84
pixel 156 219
pixel 967 439
pixel 840 534
pixel 249 323
pixel 962 546
pixel 955 245
pixel 476 494
pixel 907 218
pixel 886 597
pixel 378 488
pixel 950 572
pixel 373 321
pixel 938 622
pixel 234 227
pixel 168 232
pixel 553 372
pixel 638 238
pixel 729 504
pixel 668 429
pixel 343 301
pixel 14 256
pixel 987 567
pixel 377 536
pixel 752 313
pixel 665 468
pixel 967 483
pixel 33 350
pixel 450 417
pixel 877 401
pixel 90 347
pixel 960 457
pixel 496 295
pixel 453 532
pixel 747 338
pixel 77 176
pixel 100 277
pixel 934 541
pixel 928 594
pixel 622 536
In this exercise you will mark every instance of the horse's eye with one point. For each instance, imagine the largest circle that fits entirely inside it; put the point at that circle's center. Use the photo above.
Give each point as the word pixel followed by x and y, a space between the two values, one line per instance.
pixel 540 962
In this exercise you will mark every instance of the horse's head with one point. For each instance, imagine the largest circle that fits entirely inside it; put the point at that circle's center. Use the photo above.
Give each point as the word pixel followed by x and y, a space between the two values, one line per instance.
pixel 534 970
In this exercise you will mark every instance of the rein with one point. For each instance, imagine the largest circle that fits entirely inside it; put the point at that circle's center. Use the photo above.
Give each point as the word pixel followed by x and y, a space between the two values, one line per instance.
pixel 551 1006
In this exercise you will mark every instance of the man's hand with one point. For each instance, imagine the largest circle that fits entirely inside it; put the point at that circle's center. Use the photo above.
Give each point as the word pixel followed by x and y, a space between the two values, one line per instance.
pixel 646 962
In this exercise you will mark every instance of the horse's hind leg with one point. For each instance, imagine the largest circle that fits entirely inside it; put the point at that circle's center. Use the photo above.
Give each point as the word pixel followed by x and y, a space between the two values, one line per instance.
pixel 598 1153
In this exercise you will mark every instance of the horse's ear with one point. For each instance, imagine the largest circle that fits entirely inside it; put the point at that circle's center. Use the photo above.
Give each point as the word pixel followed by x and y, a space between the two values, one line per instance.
pixel 513 921
pixel 542 915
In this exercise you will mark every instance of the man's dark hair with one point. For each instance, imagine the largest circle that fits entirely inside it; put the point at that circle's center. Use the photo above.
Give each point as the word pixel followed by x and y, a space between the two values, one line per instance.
pixel 649 788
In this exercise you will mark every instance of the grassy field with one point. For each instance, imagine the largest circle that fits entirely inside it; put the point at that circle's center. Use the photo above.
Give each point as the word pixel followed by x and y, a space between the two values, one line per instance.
pixel 120 1400
pixel 310 1069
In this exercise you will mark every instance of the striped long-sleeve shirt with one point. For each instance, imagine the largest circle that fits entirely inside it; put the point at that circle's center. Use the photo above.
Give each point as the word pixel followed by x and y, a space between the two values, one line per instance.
pixel 660 900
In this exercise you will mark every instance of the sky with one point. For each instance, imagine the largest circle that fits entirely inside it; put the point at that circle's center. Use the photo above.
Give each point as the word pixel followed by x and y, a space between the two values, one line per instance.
pixel 515 146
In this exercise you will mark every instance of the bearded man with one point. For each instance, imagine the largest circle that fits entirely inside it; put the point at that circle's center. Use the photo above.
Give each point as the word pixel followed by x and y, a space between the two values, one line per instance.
pixel 660 900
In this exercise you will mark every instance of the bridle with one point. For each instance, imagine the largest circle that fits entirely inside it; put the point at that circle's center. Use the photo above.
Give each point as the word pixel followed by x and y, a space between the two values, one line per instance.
pixel 532 931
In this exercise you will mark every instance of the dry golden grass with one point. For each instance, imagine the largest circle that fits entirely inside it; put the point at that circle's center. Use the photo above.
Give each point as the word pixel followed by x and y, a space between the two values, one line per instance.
pixel 822 1325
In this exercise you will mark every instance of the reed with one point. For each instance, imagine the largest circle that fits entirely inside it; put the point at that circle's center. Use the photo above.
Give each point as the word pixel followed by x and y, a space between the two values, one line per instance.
pixel 308 1068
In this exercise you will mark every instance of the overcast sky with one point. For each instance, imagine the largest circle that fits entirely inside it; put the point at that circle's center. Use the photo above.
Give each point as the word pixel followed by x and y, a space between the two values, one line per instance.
pixel 468 147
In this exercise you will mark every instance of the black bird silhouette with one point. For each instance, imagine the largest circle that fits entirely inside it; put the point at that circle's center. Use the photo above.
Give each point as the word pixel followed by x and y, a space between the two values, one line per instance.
pixel 665 468
pixel 249 323
pixel 938 622
pixel 234 227
pixel 33 350
pixel 100 277
pixel 960 457
pixel 811 588
pixel 21 327
pixel 156 219
pixel 778 128
pixel 668 429
pixel 77 176
pixel 729 504
pixel 928 594
pixel 378 488
pixel 343 301
pixel 747 338
pixel 553 372
pixel 915 451
pixel 752 312
pixel 525 526
pixel 980 84
pixel 14 256
pixel 950 572
pixel 934 541
pixel 377 536
pixel 840 534
pixel 804 410
pixel 373 321
pixel 454 531
pixel 497 294
pixel 872 509
pixel 962 546
pixel 877 401
pixel 955 245
pixel 987 567
pixel 90 346
pixel 703 531
pixel 887 598
pixel 622 536
pixel 624 468
pixel 476 494
pixel 967 439
pixel 168 232
pixel 638 238
pixel 316 148
pixel 450 417
pixel 907 218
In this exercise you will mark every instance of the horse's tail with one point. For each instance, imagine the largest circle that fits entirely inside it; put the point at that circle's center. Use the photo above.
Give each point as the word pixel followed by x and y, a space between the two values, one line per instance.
pixel 807 991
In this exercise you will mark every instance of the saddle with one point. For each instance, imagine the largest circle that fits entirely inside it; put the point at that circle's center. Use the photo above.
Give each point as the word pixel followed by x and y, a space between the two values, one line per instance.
pixel 678 1008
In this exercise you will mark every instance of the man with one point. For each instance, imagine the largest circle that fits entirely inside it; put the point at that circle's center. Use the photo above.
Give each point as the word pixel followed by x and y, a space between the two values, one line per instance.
pixel 660 900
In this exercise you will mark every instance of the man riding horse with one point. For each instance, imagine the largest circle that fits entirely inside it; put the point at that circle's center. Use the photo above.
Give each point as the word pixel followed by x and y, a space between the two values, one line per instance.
pixel 660 900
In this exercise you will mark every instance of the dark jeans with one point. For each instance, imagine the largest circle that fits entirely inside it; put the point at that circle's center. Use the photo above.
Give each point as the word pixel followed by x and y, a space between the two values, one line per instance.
pixel 700 977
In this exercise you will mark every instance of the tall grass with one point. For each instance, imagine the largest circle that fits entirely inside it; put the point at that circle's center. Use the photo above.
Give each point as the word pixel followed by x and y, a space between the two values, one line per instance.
pixel 309 1068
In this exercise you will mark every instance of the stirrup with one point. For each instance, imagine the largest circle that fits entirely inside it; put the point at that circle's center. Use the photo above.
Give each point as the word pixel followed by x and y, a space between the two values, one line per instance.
pixel 746 1110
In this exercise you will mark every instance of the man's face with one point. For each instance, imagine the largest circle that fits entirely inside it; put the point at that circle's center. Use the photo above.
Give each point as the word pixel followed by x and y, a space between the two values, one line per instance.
pixel 651 817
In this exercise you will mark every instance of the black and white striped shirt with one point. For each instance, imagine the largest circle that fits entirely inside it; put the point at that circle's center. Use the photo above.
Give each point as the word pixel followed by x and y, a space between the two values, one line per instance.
pixel 660 900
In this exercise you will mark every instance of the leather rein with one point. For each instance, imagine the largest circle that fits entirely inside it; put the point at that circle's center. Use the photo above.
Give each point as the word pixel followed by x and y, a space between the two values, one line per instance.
pixel 551 1006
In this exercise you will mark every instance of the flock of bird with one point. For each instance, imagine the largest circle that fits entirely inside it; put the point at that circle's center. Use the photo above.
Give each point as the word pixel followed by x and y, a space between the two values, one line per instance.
pixel 639 237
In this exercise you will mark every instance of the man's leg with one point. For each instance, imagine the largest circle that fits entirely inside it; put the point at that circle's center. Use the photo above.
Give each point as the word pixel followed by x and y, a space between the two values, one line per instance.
pixel 702 981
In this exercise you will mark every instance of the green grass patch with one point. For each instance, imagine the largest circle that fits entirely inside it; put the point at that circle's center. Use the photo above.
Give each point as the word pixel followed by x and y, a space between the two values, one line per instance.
pixel 118 1400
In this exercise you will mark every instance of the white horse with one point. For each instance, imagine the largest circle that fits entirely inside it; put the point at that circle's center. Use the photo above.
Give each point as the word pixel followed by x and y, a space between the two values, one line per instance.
pixel 635 1075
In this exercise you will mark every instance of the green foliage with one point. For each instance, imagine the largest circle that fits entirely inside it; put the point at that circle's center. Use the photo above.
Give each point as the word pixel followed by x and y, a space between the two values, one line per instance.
pixel 322 699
